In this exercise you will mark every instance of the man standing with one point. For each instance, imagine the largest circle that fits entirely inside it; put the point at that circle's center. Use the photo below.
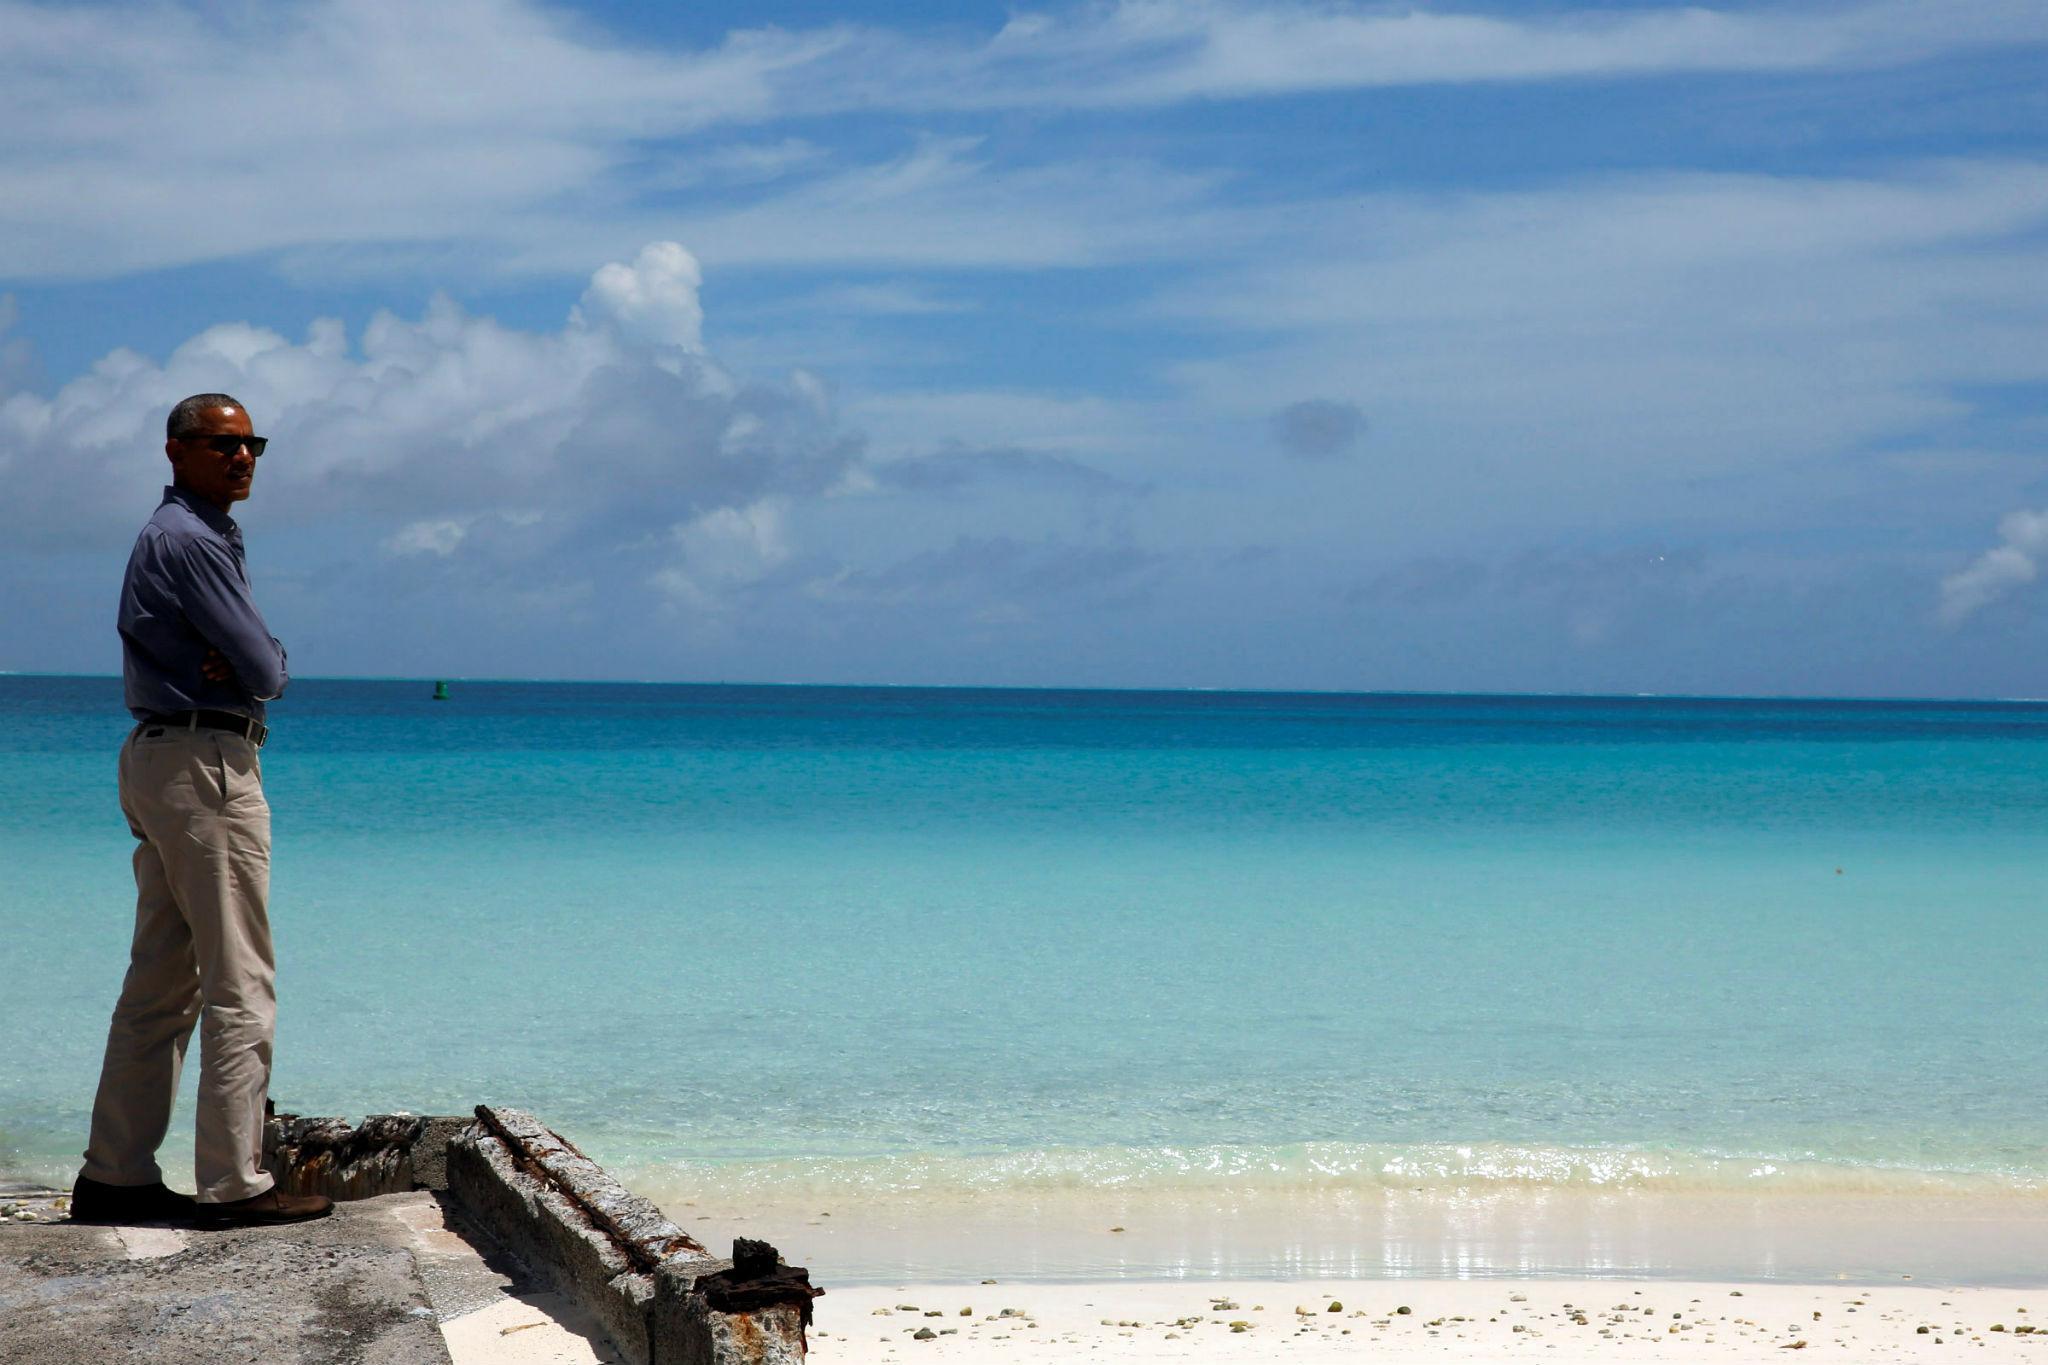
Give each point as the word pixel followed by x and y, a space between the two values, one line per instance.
pixel 199 664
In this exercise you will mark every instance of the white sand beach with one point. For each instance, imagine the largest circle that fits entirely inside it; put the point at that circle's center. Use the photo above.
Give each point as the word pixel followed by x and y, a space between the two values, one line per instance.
pixel 1418 1320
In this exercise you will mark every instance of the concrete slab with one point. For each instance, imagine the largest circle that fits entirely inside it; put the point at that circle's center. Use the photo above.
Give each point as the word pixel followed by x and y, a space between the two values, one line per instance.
pixel 341 1289
pixel 384 1281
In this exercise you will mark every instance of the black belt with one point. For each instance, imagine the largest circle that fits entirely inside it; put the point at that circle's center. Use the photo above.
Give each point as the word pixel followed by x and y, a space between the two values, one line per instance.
pixel 251 729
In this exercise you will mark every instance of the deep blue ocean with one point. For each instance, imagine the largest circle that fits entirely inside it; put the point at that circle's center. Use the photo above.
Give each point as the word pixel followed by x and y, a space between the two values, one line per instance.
pixel 912 938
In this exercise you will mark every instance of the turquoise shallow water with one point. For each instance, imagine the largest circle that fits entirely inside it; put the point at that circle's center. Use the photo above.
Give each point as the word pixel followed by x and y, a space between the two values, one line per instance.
pixel 807 940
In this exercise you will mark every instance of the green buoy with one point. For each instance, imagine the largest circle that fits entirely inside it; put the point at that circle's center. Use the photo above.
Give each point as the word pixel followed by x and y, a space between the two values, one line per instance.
pixel 440 691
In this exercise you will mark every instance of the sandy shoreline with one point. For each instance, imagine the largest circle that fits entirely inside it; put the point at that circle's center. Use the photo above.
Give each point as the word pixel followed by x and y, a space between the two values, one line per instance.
pixel 1464 1320
pixel 1197 1235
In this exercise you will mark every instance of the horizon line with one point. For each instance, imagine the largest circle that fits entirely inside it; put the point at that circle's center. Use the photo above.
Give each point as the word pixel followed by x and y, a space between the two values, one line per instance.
pixel 1075 687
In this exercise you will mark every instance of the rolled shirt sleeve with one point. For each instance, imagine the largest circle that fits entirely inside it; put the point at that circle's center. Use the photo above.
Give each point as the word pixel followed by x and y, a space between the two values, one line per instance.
pixel 216 600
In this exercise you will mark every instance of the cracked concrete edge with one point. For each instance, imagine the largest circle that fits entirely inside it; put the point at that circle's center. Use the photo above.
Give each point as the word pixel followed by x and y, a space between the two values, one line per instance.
pixel 561 1214
pixel 642 1231
pixel 553 1237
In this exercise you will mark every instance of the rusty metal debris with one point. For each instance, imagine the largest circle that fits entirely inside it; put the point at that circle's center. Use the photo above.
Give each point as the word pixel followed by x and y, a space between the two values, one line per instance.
pixel 662 1297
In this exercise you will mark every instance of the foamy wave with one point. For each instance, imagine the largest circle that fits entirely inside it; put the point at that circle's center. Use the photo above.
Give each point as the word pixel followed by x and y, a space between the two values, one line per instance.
pixel 1311 1168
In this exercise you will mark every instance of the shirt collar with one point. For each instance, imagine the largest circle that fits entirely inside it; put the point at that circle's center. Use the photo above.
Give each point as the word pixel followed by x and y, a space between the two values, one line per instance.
pixel 202 508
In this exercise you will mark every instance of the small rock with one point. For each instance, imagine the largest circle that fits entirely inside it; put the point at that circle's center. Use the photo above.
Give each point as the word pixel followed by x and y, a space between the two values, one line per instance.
pixel 1404 1310
pixel 1335 1307
pixel 924 1334
pixel 967 1312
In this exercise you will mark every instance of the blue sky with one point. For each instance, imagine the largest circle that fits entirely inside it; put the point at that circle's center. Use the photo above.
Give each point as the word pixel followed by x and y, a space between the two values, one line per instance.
pixel 1607 347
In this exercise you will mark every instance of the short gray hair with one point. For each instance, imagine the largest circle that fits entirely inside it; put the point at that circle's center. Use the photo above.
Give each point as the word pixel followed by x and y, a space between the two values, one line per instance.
pixel 184 418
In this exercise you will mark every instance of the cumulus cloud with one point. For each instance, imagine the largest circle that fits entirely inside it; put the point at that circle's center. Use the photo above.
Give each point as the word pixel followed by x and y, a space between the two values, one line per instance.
pixel 2012 564
pixel 1318 428
pixel 726 549
pixel 612 447
pixel 652 300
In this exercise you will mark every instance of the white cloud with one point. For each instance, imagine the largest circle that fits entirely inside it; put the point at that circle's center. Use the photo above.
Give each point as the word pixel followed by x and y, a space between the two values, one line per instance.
pixel 376 132
pixel 439 537
pixel 1665 346
pixel 724 550
pixel 653 300
pixel 897 299
pixel 450 432
pixel 912 423
pixel 1143 52
pixel 1999 570
pixel 944 205
pixel 345 121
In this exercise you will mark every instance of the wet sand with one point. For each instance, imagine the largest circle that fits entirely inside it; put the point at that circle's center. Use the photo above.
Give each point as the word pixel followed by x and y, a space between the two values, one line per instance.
pixel 1112 1234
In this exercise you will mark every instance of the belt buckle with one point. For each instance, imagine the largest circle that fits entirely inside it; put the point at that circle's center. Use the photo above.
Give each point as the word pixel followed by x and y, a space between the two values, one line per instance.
pixel 257 732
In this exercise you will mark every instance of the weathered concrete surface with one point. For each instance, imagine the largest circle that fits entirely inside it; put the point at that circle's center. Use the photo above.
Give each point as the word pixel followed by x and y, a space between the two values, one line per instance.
pixel 476 1230
pixel 62 1284
pixel 343 1290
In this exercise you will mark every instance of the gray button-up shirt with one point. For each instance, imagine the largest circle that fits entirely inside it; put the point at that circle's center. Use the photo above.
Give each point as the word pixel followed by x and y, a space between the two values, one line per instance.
pixel 186 591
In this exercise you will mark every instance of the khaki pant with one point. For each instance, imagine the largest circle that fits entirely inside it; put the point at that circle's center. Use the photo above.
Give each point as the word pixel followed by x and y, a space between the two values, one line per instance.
pixel 194 801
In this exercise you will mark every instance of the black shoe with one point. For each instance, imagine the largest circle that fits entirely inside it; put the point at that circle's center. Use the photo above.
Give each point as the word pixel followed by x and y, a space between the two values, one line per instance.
pixel 271 1206
pixel 93 1202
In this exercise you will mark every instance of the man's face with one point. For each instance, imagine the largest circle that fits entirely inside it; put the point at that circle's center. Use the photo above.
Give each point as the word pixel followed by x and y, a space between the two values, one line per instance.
pixel 218 470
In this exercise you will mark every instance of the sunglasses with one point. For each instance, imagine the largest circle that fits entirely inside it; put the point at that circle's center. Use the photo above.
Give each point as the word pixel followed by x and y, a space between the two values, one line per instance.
pixel 228 445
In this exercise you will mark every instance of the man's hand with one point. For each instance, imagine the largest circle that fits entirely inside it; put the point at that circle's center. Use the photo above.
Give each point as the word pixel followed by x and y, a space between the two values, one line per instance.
pixel 215 666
